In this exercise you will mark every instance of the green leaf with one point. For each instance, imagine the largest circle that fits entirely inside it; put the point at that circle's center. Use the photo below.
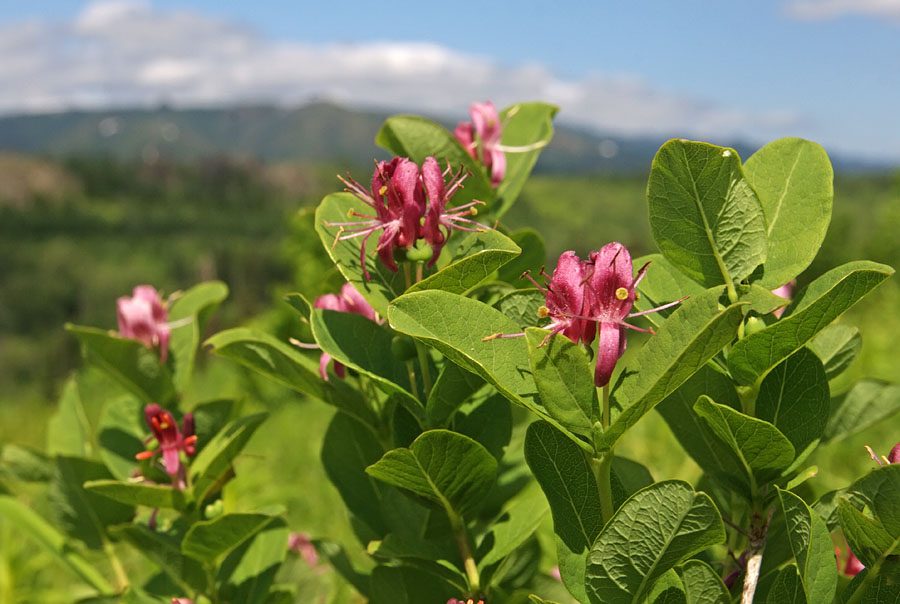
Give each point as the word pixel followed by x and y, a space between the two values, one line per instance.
pixel 489 423
pixel 564 376
pixel 457 327
pixel 532 258
pixel 521 305
pixel 299 303
pixel 689 338
pixel 794 398
pixel 383 285
pixel 19 515
pixel 668 589
pixel 417 138
pixel 811 546
pixel 471 261
pixel 564 475
pixel 760 449
pixel 365 346
pixel 406 585
pixel 129 362
pixel 120 434
pixel 524 124
pixel 165 551
pixel 760 299
pixel 692 431
pixel 25 463
pixel 704 215
pixel 209 540
pixel 82 514
pixel 881 489
pixel 787 588
pixel 191 311
pixel 793 179
pixel 702 585
pixel 133 493
pixel 348 448
pixel 661 284
pixel 654 530
pixel 212 463
pixel 812 310
pixel 249 571
pixel 452 387
pixel 882 590
pixel 67 430
pixel 286 365
pixel 867 403
pixel 518 519
pixel 866 536
pixel 444 467
pixel 837 347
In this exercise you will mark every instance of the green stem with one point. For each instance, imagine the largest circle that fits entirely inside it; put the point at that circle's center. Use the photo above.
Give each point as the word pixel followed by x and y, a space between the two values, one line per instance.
pixel 118 569
pixel 601 469
pixel 465 551
pixel 604 420
pixel 407 277
pixel 411 371
pixel 423 367
pixel 211 584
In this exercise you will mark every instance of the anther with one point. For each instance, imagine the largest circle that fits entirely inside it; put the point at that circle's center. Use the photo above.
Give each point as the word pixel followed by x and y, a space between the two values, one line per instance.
pixel 622 293
pixel 543 312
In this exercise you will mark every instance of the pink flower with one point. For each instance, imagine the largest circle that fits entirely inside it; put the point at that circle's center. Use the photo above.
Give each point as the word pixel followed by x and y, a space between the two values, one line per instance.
pixel 349 300
pixel 554 572
pixel 171 441
pixel 182 601
pixel 439 194
pixel 469 601
pixel 143 317
pixel 785 291
pixel 300 544
pixel 487 127
pixel 564 297
pixel 398 200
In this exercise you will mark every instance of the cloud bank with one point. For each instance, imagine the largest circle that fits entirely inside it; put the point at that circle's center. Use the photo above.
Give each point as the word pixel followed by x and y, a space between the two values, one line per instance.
pixel 127 53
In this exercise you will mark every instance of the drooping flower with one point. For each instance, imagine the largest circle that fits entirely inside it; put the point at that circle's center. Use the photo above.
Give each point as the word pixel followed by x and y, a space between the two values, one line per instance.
pixel 785 291
pixel 349 300
pixel 438 194
pixel 171 441
pixel 398 200
pixel 143 317
pixel 609 298
pixel 852 566
pixel 300 544
pixel 182 601
pixel 484 132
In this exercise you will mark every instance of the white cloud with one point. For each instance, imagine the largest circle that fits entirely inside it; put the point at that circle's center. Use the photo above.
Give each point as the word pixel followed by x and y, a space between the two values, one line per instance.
pixel 125 52
pixel 823 10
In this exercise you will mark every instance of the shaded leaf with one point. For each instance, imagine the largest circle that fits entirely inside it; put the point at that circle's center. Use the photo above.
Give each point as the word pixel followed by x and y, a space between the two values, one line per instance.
pixel 837 347
pixel 129 362
pixel 702 585
pixel 867 403
pixel 787 588
pixel 214 461
pixel 685 342
pixel 165 551
pixel 866 536
pixel 519 518
pixel 532 258
pixel 209 540
pixel 451 388
pixel 405 585
pixel 444 467
pixel 812 549
pixel 68 429
pixel 120 434
pixel 133 493
pixel 191 311
pixel 654 530
pixel 249 571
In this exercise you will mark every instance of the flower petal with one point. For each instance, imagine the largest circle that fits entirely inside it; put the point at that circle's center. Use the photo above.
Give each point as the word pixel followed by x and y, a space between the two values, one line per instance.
pixel 609 347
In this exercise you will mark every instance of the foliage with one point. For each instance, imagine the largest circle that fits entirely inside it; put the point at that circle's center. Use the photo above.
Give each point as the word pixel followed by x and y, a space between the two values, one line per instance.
pixel 459 421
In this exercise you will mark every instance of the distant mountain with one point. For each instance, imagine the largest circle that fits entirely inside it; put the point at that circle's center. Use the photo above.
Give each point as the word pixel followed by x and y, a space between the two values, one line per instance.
pixel 317 132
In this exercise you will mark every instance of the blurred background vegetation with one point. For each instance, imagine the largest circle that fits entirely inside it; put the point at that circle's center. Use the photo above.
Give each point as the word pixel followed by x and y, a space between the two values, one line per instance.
pixel 90 207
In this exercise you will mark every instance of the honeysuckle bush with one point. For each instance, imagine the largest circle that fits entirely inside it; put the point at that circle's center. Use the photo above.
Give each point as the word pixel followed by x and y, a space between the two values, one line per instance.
pixel 476 393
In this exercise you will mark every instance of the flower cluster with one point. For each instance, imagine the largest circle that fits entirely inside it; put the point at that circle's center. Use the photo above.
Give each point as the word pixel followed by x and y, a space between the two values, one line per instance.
pixel 349 300
pixel 408 205
pixel 484 131
pixel 588 298
pixel 170 440
pixel 469 601
pixel 143 317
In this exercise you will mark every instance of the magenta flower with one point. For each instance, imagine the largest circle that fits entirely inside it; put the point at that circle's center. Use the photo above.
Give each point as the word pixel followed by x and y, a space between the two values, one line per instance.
pixel 439 194
pixel 300 544
pixel 349 300
pixel 609 297
pixel 487 128
pixel 785 291
pixel 564 298
pixel 143 317
pixel 170 440
pixel 182 601
pixel 892 457
pixel 398 200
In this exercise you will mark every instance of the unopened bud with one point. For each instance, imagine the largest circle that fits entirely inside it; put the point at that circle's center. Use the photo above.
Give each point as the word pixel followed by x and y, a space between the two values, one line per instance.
pixel 403 348
pixel 214 509
pixel 753 325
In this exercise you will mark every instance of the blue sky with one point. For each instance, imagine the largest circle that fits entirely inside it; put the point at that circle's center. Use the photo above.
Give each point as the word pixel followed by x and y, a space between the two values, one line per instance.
pixel 828 70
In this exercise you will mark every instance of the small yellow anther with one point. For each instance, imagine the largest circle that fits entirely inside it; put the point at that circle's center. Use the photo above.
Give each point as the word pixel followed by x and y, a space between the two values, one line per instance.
pixel 622 293
pixel 473 211
pixel 637 296
pixel 350 213
pixel 382 190
pixel 543 312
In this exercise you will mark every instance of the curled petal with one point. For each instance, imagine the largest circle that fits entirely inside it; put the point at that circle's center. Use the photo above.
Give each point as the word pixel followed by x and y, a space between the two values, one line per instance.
pixel 610 345
pixel 611 283
pixel 465 134
pixel 324 359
